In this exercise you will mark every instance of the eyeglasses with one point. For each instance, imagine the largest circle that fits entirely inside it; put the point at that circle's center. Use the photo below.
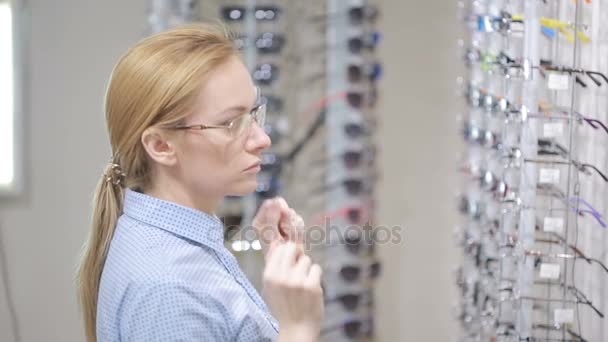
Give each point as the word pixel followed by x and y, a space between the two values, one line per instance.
pixel 476 135
pixel 579 297
pixel 236 127
pixel 508 329
pixel 549 66
pixel 503 24
pixel 480 98
pixel 262 13
pixel 265 74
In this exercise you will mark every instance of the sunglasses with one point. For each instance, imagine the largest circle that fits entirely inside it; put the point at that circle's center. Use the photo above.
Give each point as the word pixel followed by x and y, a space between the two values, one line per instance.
pixel 357 14
pixel 360 72
pixel 364 42
pixel 476 135
pixel 355 130
pixel 261 13
pixel 265 74
pixel 353 273
pixel 354 243
pixel 358 215
pixel 269 185
pixel 266 43
pixel 358 100
pixel 353 329
pixel 351 301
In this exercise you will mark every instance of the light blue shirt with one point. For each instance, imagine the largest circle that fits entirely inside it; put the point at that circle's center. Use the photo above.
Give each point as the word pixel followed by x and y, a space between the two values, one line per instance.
pixel 168 277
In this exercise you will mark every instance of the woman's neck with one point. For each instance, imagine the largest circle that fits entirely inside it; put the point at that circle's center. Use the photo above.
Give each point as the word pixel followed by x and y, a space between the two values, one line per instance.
pixel 179 195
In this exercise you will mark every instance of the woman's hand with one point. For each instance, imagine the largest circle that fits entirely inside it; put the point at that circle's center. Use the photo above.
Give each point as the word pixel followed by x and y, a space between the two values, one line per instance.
pixel 277 223
pixel 292 288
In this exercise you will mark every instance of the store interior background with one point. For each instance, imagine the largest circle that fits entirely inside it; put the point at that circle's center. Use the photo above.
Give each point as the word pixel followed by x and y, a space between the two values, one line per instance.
pixel 70 48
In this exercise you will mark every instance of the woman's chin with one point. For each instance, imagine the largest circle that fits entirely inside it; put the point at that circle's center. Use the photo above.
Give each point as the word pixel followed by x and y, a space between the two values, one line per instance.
pixel 244 188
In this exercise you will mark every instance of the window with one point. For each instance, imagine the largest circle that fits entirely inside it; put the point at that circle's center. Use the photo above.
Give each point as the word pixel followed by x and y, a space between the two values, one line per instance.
pixel 8 113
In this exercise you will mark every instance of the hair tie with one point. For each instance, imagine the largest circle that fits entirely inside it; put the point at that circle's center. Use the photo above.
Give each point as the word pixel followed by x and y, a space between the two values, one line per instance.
pixel 114 174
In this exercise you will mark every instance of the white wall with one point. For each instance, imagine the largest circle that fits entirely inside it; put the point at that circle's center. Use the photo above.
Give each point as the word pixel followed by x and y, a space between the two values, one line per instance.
pixel 418 148
pixel 74 44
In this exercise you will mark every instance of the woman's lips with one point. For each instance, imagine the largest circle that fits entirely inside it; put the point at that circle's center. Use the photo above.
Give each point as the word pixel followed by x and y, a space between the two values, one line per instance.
pixel 255 167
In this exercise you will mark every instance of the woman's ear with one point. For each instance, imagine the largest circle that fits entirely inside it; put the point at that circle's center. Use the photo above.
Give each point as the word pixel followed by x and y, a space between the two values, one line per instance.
pixel 158 146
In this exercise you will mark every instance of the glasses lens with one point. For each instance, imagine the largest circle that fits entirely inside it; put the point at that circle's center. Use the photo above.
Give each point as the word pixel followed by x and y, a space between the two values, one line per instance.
pixel 355 99
pixel 375 269
pixel 350 273
pixel 353 215
pixel 356 15
pixel 353 186
pixel 233 13
pixel 352 329
pixel 240 125
pixel 353 130
pixel 354 73
pixel 352 159
pixel 259 115
pixel 355 45
pixel 349 301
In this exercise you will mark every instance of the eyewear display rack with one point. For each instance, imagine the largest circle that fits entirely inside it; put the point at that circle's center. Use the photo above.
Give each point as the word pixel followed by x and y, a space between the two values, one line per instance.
pixel 316 66
pixel 534 236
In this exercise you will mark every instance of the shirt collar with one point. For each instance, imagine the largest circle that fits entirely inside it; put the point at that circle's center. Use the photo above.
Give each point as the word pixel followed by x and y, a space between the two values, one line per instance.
pixel 186 222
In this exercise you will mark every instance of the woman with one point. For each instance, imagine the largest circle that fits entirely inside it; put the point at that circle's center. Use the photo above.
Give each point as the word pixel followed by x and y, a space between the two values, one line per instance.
pixel 184 126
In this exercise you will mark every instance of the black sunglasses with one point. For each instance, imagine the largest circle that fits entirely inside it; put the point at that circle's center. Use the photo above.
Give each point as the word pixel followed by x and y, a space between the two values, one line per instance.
pixel 352 273
pixel 351 301
pixel 354 329
pixel 366 41
pixel 360 72
pixel 359 99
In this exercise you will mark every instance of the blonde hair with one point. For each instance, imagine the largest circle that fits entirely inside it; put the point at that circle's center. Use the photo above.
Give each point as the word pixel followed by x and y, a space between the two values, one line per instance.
pixel 154 83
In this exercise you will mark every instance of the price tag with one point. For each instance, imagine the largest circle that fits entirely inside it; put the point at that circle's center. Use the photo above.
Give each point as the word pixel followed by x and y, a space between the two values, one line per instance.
pixel 558 81
pixel 553 129
pixel 563 316
pixel 549 271
pixel 549 176
pixel 553 224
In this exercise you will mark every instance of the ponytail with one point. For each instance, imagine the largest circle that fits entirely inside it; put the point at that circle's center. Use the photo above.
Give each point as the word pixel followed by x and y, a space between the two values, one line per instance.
pixel 107 207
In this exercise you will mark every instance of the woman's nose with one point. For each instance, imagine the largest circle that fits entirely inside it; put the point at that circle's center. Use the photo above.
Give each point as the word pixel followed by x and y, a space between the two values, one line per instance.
pixel 257 139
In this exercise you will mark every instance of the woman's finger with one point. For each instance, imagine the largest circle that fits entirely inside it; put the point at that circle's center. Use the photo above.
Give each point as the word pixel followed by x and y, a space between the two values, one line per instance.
pixel 289 257
pixel 314 276
pixel 302 268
